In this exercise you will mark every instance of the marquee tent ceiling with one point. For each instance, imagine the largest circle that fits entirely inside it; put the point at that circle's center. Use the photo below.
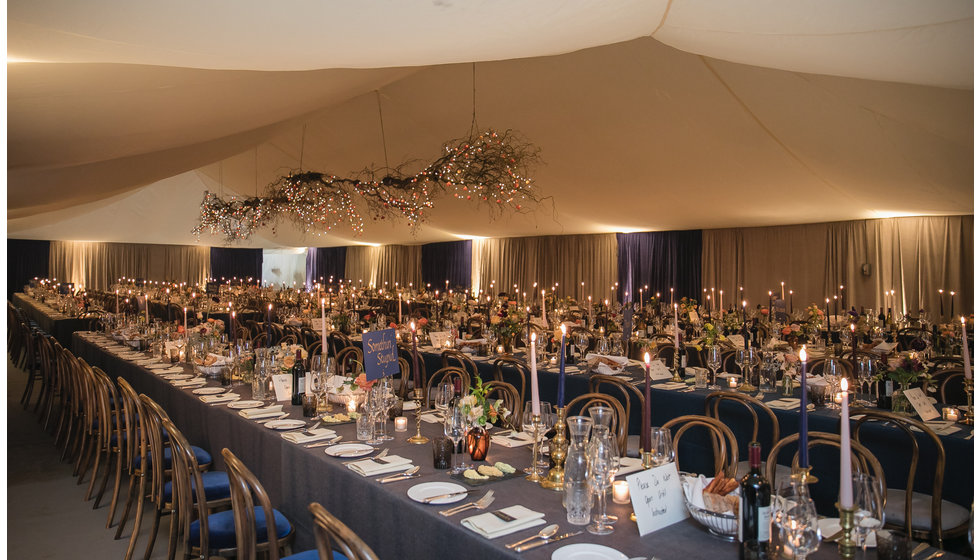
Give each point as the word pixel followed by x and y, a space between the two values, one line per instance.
pixel 650 115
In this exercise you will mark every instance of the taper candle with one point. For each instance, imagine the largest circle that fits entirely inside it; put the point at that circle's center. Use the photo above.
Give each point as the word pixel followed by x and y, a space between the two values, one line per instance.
pixel 846 489
pixel 561 369
pixel 966 351
pixel 415 360
pixel 803 452
pixel 645 435
pixel 535 398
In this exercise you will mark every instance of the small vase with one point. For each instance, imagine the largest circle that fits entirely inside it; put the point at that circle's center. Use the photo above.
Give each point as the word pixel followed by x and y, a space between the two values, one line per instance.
pixel 478 443
pixel 900 403
pixel 508 343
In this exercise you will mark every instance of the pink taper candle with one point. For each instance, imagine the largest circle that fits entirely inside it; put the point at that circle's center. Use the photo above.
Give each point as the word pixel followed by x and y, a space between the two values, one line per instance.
pixel 966 351
pixel 846 489
pixel 323 327
pixel 185 321
pixel 535 399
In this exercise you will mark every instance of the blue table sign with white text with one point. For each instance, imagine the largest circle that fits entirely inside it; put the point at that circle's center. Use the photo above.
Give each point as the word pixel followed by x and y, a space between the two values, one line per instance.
pixel 380 354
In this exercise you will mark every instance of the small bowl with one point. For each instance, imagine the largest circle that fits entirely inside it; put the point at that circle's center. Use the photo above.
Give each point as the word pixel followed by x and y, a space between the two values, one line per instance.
pixel 722 525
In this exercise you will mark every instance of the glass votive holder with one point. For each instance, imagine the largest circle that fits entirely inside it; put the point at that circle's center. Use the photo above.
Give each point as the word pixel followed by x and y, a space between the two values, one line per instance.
pixel 733 383
pixel 700 378
pixel 442 452
pixel 621 492
pixel 951 413
pixel 365 427
pixel 174 355
pixel 401 424
pixel 892 545
pixel 309 405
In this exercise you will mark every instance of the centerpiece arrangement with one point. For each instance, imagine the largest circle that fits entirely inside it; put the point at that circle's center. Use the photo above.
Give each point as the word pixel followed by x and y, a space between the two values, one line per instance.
pixel 905 371
pixel 506 324
pixel 481 413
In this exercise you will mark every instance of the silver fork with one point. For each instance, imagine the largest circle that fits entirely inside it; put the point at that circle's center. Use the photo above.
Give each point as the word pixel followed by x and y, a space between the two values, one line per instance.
pixel 482 503
pixel 383 453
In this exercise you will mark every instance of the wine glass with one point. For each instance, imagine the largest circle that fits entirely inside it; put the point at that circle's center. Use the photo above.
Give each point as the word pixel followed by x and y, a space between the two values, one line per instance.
pixel 713 354
pixel 582 342
pixel 747 359
pixel 800 529
pixel 865 376
pixel 388 400
pixel 869 514
pixel 444 394
pixel 661 446
pixel 454 426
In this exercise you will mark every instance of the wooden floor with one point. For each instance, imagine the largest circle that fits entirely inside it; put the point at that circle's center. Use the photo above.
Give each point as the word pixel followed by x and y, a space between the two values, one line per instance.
pixel 47 516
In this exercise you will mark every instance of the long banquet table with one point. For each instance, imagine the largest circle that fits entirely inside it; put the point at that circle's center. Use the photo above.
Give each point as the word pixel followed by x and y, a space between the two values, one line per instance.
pixel 392 524
pixel 49 320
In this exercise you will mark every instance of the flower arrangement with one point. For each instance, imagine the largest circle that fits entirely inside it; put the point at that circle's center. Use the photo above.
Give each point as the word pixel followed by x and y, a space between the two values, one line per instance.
pixel 479 410
pixel 908 370
pixel 711 334
pixel 287 354
pixel 733 321
pixel 814 319
pixel 508 322
pixel 211 327
pixel 792 332
pixel 687 306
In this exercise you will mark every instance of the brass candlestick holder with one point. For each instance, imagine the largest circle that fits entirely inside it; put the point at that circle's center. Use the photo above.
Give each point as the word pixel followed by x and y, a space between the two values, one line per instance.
pixel 677 366
pixel 418 438
pixel 558 449
pixel 647 460
pixel 804 475
pixel 968 415
pixel 845 544
pixel 534 475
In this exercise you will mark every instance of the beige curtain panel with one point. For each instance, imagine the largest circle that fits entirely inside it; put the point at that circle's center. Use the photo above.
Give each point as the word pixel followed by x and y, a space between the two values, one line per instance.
pixel 387 263
pixel 566 260
pixel 98 265
pixel 914 256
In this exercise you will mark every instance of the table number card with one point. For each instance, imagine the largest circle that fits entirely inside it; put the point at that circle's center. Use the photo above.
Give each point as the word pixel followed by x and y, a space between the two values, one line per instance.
pixel 657 497
pixel 283 384
pixel 380 354
pixel 659 371
pixel 317 324
pixel 439 338
pixel 920 402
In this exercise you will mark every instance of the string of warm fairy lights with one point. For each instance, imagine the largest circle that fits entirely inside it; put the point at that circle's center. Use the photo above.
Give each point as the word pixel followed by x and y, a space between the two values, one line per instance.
pixel 490 168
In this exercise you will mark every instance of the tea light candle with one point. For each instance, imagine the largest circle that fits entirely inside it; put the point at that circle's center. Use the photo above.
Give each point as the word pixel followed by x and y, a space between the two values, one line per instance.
pixel 621 492
pixel 838 397
pixel 351 405
pixel 401 424
pixel 553 361
pixel 951 413
pixel 500 348
pixel 732 383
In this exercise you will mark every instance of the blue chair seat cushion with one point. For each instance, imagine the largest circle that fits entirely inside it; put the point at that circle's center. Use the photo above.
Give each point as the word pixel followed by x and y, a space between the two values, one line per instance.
pixel 202 456
pixel 216 486
pixel 313 555
pixel 221 528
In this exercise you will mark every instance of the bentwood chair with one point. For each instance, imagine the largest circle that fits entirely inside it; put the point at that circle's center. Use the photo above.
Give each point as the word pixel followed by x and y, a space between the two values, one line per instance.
pixel 625 392
pixel 512 401
pixel 735 409
pixel 620 423
pixel 350 359
pixel 919 515
pixel 110 434
pixel 404 381
pixel 337 340
pixel 952 388
pixel 457 376
pixel 333 537
pixel 458 359
pixel 252 525
pixel 723 443
pixel 510 367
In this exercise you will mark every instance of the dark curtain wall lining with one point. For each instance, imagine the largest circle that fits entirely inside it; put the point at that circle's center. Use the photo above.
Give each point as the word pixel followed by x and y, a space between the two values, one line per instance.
pixel 661 260
pixel 236 263
pixel 324 262
pixel 451 260
pixel 26 258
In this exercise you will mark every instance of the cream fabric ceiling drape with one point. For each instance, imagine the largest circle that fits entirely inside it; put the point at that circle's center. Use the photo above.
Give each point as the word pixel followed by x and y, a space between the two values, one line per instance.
pixel 566 260
pixel 915 256
pixel 387 263
pixel 99 265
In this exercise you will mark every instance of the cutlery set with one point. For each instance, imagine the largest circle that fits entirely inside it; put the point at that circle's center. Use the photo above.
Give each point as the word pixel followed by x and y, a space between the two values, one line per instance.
pixel 482 503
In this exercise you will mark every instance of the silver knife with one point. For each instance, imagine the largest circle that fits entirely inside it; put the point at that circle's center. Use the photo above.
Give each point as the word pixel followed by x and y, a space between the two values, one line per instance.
pixel 431 499
pixel 536 544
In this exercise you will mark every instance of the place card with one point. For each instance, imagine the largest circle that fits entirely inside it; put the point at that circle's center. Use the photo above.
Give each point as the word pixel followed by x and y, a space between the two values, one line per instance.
pixel 885 347
pixel 283 384
pixel 920 402
pixel 659 371
pixel 657 497
pixel 380 354
pixel 317 324
pixel 737 340
pixel 439 338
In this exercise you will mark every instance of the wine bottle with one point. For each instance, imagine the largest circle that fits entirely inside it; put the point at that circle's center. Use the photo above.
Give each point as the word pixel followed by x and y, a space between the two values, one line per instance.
pixel 881 316
pixel 299 373
pixel 754 504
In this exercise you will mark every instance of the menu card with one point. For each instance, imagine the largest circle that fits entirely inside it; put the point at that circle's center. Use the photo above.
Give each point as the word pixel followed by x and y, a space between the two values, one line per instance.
pixel 920 402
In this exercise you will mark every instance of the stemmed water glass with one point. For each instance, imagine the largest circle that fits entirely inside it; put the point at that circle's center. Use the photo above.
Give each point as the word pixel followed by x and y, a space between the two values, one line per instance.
pixel 388 400
pixel 454 426
pixel 799 527
pixel 661 446
pixel 602 457
pixel 582 343
pixel 869 514
pixel 713 354
pixel 444 394
pixel 747 358
pixel 865 376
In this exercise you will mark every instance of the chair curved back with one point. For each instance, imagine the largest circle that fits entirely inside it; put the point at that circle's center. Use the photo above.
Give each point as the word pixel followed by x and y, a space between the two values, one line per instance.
pixel 722 440
pixel 153 428
pixel 289 339
pixel 512 401
pixel 620 422
pixel 331 534
pixel 474 326
pixel 337 340
pixel 908 426
pixel 405 375
pixel 187 496
pixel 619 388
pixel 952 387
pixel 349 359
pixel 455 358
pixel 751 405
pixel 906 337
pixel 406 354
pixel 450 374
pixel 517 368
pixel 132 423
pixel 246 490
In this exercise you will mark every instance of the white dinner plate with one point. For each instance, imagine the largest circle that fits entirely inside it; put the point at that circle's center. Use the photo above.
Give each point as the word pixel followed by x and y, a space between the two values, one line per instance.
pixel 285 424
pixel 349 450
pixel 420 492
pixel 829 526
pixel 587 551
pixel 208 391
pixel 178 377
pixel 159 365
pixel 240 405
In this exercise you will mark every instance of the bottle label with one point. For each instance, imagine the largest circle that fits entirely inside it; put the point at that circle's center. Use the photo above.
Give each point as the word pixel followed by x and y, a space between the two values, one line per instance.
pixel 741 523
pixel 763 523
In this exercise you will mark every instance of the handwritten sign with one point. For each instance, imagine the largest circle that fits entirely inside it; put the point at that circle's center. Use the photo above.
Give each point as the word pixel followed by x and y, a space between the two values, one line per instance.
pixel 657 496
pixel 439 338
pixel 659 371
pixel 920 402
pixel 317 324
pixel 212 288
pixel 380 354
pixel 283 384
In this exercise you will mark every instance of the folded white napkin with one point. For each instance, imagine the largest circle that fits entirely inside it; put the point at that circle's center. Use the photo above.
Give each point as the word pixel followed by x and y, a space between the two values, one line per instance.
pixel 628 465
pixel 513 439
pixel 170 370
pixel 598 362
pixel 784 404
pixel 224 397
pixel 672 386
pixel 384 465
pixel 693 488
pixel 309 437
pixel 190 383
pixel 491 526
pixel 432 418
pixel 265 412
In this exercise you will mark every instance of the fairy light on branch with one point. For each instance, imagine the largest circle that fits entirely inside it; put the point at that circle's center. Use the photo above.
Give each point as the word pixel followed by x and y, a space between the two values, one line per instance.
pixel 490 168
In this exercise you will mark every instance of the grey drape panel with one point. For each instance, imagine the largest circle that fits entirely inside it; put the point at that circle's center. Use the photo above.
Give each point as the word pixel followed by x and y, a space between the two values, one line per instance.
pixel 914 256
pixel 99 265
pixel 567 260
pixel 388 263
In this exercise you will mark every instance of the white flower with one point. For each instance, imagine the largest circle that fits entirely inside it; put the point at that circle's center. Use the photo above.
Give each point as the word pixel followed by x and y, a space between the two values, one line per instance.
pixel 475 413
pixel 468 400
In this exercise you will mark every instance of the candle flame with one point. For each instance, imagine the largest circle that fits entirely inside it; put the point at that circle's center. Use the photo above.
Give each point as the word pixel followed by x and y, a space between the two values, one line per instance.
pixel 962 319
pixel 646 358
pixel 413 326
pixel 852 327
pixel 563 329
pixel 843 384
pixel 534 337
pixel 803 354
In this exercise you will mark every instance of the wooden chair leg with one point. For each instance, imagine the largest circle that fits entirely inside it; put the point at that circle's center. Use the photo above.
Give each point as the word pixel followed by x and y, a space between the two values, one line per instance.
pixel 115 490
pixel 85 458
pixel 153 531
pixel 141 499
pixel 42 390
pixel 130 497
pixel 105 477
pixel 174 530
pixel 95 473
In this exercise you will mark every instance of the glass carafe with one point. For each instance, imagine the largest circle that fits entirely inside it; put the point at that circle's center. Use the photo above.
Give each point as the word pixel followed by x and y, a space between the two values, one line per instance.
pixel 578 497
